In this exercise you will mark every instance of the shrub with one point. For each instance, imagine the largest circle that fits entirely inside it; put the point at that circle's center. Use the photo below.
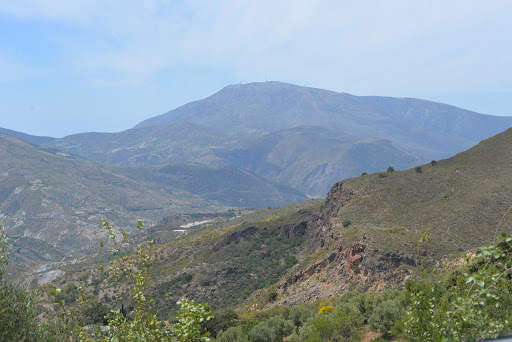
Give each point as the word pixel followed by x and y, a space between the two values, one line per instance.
pixel 391 169
pixel 221 322
pixel 97 313
pixel 472 308
pixel 326 309
pixel 18 311
pixel 299 314
pixel 342 325
pixel 261 333
pixel 364 303
pixel 418 169
pixel 233 334
pixel 142 324
pixel 346 223
pixel 272 330
pixel 272 296
pixel 433 163
pixel 385 315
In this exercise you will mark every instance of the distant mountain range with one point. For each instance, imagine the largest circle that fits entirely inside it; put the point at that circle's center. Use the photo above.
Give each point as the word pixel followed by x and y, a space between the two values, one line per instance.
pixel 428 129
pixel 302 137
pixel 306 158
pixel 34 139
pixel 258 144
pixel 54 196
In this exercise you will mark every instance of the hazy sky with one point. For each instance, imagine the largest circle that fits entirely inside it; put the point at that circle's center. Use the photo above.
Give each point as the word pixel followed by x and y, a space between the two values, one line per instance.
pixel 104 65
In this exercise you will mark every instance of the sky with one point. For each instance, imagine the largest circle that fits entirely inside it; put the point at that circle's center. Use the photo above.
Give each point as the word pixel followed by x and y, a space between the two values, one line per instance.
pixel 104 65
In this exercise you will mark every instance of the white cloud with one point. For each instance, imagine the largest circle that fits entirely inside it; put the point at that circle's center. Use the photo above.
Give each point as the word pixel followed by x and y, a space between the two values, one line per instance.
pixel 363 46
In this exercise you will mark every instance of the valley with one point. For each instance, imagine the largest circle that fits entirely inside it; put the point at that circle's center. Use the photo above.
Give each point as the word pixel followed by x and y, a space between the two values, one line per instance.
pixel 257 217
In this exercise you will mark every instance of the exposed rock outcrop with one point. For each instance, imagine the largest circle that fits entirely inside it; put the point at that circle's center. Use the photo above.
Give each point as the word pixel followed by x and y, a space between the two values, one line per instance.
pixel 348 266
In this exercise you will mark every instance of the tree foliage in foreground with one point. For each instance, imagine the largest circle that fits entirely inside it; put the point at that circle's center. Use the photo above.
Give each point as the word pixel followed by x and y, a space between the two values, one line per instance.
pixel 472 306
pixel 469 304
pixel 19 308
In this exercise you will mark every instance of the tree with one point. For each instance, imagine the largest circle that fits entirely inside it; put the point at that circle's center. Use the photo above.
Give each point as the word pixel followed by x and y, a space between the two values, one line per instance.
pixel 385 315
pixel 233 334
pixel 475 306
pixel 391 169
pixel 19 309
pixel 272 330
pixel 144 324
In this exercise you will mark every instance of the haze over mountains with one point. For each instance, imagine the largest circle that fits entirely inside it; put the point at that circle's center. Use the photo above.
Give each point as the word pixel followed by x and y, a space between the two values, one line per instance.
pixel 428 129
pixel 302 137
pixel 61 199
pixel 258 144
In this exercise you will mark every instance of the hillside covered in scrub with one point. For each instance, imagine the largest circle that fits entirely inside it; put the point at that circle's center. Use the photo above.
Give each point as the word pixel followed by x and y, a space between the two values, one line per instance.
pixel 364 236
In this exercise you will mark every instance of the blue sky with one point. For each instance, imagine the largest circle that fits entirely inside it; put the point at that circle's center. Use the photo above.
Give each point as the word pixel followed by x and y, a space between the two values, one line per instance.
pixel 91 65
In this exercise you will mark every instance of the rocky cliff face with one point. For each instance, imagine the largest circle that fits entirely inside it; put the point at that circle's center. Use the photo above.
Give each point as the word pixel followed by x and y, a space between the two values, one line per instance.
pixel 341 265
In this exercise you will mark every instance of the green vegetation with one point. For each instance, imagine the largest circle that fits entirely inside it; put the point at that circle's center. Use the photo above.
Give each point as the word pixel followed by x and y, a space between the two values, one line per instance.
pixel 468 303
pixel 459 200
pixel 286 257
pixel 474 306
pixel 19 310
pixel 227 185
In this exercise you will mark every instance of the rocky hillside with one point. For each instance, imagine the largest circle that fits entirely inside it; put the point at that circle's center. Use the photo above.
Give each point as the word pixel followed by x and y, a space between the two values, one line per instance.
pixel 366 233
pixel 54 202
pixel 363 237
pixel 61 199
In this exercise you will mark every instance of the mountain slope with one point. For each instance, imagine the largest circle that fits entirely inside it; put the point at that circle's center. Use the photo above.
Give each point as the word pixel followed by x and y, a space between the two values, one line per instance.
pixel 428 129
pixel 311 159
pixel 367 232
pixel 62 199
pixel 54 202
pixel 364 236
pixel 225 185
pixel 307 158
pixel 27 137
pixel 170 143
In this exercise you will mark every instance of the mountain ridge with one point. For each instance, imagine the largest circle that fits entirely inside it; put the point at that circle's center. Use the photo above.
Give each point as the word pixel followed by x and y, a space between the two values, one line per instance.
pixel 249 108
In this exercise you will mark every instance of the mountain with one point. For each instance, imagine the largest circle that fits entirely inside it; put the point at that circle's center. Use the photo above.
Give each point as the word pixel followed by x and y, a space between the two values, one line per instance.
pixel 301 137
pixel 60 199
pixel 364 237
pixel 226 185
pixel 169 143
pixel 27 137
pixel 311 159
pixel 307 158
pixel 428 129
